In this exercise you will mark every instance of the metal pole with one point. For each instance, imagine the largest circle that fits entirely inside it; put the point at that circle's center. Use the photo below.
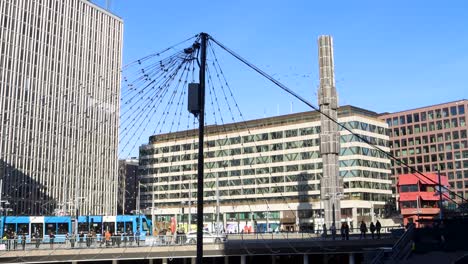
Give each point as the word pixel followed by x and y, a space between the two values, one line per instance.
pixel 201 123
pixel 217 205
pixel 441 214
pixel 333 218
pixel 137 206
pixel 189 228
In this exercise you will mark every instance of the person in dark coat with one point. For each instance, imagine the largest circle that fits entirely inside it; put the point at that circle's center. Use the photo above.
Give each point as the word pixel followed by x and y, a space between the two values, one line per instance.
pixel 333 231
pixel 343 231
pixel 378 226
pixel 372 229
pixel 324 234
pixel 23 241
pixel 363 229
pixel 347 231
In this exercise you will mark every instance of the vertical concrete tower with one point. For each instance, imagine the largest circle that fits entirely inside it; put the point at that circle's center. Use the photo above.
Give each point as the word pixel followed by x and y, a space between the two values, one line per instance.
pixel 331 184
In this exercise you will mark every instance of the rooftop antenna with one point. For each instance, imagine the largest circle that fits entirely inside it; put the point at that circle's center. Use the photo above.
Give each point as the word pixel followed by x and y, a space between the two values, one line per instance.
pixel 108 2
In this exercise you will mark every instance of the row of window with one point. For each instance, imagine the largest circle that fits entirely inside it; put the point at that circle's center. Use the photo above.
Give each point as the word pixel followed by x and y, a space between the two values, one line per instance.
pixel 434 149
pixel 425 127
pixel 424 116
pixel 236 161
pixel 429 139
pixel 271 136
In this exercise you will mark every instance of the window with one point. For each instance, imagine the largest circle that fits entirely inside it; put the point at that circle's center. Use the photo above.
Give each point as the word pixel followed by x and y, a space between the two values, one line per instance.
pixel 430 115
pixel 445 112
pixel 423 116
pixel 409 188
pixel 291 133
pixel 453 110
pixel 416 117
pixel 461 109
pixel 409 119
pixel 402 120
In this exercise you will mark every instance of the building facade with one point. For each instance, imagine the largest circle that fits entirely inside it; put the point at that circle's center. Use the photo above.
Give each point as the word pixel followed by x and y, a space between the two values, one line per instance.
pixel 128 184
pixel 59 101
pixel 431 138
pixel 267 172
pixel 418 197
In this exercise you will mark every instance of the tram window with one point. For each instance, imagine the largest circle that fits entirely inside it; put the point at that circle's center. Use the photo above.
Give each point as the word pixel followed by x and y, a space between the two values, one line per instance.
pixel 109 226
pixel 145 225
pixel 62 228
pixel 10 227
pixel 51 227
pixel 83 227
pixel 37 227
pixel 120 227
pixel 128 226
pixel 97 227
pixel 23 229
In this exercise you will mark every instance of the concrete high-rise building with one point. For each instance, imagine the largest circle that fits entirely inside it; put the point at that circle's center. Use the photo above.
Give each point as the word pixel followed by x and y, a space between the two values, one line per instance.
pixel 268 171
pixel 128 184
pixel 430 138
pixel 60 67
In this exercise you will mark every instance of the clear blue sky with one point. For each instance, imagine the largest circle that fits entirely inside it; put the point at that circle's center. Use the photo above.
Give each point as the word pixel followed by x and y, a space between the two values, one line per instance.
pixel 389 55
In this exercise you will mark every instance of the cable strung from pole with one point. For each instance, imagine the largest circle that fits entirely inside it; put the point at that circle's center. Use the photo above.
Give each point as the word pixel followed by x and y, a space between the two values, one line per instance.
pixel 229 94
pixel 149 92
pixel 300 98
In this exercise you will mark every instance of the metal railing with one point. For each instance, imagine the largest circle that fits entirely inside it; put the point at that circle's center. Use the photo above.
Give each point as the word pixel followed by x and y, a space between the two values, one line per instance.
pixel 171 240
pixel 399 250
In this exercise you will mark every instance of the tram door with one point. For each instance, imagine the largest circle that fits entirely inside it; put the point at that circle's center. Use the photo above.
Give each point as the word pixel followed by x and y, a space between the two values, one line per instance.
pixel 37 227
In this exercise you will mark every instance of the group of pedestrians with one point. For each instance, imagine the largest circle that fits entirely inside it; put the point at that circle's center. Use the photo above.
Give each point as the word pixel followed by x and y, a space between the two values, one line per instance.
pixel 373 229
pixel 11 239
pixel 109 239
pixel 344 230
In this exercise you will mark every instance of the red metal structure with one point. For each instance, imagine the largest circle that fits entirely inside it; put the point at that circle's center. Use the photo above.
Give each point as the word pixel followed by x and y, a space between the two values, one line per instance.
pixel 419 196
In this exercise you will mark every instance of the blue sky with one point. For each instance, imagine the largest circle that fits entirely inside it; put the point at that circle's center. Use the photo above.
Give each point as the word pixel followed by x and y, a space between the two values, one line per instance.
pixel 389 55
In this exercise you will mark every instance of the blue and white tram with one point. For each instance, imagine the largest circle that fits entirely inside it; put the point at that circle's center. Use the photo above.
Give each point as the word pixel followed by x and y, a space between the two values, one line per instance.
pixel 63 225
pixel 43 225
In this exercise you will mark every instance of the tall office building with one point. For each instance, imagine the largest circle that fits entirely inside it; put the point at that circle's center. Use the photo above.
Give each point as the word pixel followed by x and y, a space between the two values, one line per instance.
pixel 430 138
pixel 268 171
pixel 59 101
pixel 128 184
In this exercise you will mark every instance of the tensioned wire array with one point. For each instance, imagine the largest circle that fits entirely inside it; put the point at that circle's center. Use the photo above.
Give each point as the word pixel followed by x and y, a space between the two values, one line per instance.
pixel 185 63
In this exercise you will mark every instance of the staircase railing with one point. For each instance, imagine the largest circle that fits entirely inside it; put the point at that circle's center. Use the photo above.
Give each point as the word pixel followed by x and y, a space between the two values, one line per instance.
pixel 400 250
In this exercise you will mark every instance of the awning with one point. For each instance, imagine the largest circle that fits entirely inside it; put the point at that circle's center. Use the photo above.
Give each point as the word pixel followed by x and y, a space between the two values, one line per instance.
pixel 428 178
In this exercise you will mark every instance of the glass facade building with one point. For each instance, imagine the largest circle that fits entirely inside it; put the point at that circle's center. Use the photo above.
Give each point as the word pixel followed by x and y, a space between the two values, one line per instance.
pixel 269 166
pixel 60 67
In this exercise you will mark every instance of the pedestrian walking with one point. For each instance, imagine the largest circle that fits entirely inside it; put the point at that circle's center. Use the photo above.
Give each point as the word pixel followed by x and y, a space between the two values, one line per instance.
pixel 15 240
pixel 81 236
pixel 130 237
pixel 372 229
pixel 378 226
pixel 324 230
pixel 37 239
pixel 107 236
pixel 51 239
pixel 343 231
pixel 363 229
pixel 72 240
pixel 23 241
pixel 125 238
pixel 346 231
pixel 333 231
pixel 137 237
